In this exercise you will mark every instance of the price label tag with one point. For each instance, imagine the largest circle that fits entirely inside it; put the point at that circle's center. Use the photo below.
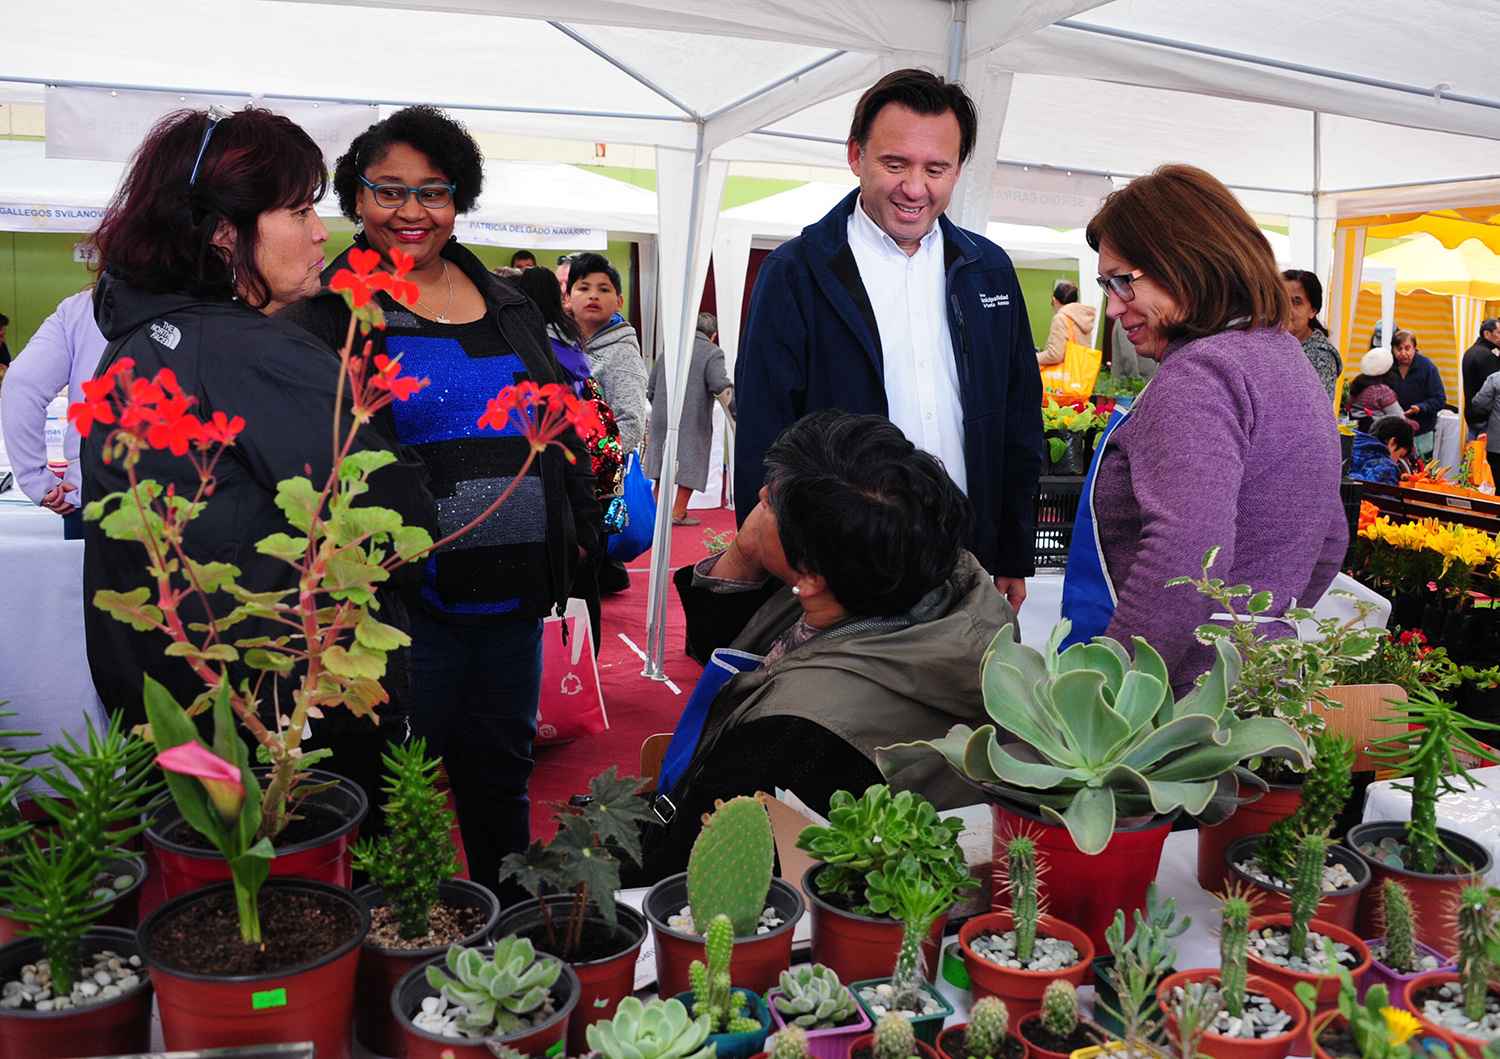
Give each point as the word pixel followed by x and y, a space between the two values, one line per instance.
pixel 269 998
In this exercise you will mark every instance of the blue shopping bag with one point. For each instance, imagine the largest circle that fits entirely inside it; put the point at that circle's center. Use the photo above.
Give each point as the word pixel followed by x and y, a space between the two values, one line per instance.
pixel 640 515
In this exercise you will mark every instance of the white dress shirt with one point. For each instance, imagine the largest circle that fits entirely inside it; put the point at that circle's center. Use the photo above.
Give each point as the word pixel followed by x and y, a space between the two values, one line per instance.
pixel 909 295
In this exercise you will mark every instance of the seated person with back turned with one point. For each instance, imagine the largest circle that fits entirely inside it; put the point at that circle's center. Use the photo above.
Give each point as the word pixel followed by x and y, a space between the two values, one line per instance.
pixel 873 635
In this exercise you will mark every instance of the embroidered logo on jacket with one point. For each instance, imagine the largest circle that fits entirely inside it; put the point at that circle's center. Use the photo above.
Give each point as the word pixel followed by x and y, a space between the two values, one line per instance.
pixel 992 301
pixel 166 334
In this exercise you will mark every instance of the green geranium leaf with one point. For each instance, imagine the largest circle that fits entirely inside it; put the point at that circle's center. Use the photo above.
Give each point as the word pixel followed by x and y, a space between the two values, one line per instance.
pixel 298 500
pixel 378 635
pixel 365 462
pixel 282 546
pixel 130 607
pixel 213 576
pixel 350 663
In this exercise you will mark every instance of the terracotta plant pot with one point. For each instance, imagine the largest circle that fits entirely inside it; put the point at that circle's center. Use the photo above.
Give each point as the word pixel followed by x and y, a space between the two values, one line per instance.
pixel 856 946
pixel 1081 889
pixel 1021 990
pixel 926 1027
pixel 1333 1020
pixel 1414 989
pixel 177 868
pixel 406 1001
pixel 312 1002
pixel 1327 985
pixel 1221 1047
pixel 865 1046
pixel 121 1025
pixel 1339 908
pixel 1432 896
pixel 124 907
pixel 831 1042
pixel 1278 803
pixel 1396 982
pixel 381 969
pixel 1036 1051
pixel 950 1045
pixel 603 981
pixel 738 1045
pixel 758 959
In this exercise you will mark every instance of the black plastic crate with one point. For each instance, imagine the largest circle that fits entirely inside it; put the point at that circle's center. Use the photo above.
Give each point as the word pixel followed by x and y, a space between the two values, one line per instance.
pixel 1057 501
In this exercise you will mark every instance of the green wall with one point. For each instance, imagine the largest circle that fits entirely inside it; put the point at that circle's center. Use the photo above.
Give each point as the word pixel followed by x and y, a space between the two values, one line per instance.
pixel 1036 286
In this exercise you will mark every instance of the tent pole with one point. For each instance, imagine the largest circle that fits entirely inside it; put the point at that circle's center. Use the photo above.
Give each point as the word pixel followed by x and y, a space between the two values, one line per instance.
pixel 622 66
pixel 1317 188
pixel 957 30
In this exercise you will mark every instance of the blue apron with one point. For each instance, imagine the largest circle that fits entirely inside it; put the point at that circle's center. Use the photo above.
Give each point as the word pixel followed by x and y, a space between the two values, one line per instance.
pixel 723 666
pixel 1088 598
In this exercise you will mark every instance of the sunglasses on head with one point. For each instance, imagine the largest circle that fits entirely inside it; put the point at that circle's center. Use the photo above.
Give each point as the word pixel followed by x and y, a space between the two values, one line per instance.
pixel 216 114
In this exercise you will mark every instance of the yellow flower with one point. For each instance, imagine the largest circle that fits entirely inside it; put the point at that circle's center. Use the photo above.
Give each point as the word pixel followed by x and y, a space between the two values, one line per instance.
pixel 1401 1025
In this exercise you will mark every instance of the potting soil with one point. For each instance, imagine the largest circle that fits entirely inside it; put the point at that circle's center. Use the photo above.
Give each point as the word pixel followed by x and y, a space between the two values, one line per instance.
pixel 446 924
pixel 203 936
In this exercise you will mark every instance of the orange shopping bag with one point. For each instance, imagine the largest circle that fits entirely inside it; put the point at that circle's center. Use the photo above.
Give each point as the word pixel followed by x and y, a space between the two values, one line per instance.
pixel 1075 376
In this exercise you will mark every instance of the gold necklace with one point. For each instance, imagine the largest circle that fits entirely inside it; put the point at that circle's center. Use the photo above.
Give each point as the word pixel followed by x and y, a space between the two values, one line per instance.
pixel 442 317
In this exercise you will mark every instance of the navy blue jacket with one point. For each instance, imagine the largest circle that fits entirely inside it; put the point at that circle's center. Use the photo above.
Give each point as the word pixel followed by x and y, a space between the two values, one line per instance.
pixel 1423 387
pixel 812 343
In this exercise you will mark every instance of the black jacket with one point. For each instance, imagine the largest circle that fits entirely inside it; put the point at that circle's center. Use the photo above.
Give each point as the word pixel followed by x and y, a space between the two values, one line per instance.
pixel 573 515
pixel 812 343
pixel 1422 388
pixel 235 360
pixel 1481 360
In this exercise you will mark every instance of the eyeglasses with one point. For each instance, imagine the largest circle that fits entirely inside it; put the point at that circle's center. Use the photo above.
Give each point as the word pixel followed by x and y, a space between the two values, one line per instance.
pixel 393 196
pixel 216 114
pixel 1123 285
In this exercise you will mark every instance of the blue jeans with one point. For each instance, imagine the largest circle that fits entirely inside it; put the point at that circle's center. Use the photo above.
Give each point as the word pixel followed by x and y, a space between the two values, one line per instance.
pixel 474 698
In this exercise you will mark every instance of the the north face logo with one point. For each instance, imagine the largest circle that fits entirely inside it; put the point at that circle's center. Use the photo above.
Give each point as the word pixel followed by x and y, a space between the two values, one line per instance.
pixel 166 334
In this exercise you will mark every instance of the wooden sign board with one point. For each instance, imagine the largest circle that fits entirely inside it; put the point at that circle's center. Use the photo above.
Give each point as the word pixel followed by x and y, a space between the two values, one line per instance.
pixel 1362 717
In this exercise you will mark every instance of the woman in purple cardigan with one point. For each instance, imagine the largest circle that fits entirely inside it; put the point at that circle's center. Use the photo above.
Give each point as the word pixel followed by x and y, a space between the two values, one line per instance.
pixel 1232 444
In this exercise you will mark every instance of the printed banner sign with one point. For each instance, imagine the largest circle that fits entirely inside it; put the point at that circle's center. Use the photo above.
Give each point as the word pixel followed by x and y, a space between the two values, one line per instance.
pixel 1051 197
pixel 42 217
pixel 530 236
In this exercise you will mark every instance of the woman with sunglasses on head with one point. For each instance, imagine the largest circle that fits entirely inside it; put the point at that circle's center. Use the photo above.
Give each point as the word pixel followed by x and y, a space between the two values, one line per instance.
pixel 213 231
pixel 1232 445
pixel 477 618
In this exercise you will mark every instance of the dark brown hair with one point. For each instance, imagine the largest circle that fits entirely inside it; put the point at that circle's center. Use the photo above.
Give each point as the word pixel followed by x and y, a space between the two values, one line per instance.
pixel 158 232
pixel 1065 292
pixel 1312 290
pixel 922 92
pixel 1187 231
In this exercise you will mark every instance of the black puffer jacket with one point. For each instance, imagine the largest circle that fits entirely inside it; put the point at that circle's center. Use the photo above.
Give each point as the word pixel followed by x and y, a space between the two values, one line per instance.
pixel 237 361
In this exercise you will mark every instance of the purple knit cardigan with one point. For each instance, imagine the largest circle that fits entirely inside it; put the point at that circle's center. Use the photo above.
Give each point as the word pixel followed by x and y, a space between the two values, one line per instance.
pixel 1232 444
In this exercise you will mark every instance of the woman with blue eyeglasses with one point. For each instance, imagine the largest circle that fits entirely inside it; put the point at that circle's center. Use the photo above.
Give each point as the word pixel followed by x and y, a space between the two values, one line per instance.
pixel 477 614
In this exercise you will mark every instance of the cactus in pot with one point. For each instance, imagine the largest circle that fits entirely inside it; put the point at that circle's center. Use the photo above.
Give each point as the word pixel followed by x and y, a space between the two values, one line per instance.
pixel 1025 904
pixel 894 1038
pixel 1234 945
pixel 1400 930
pixel 1099 736
pixel 1060 1008
pixel 729 869
pixel 813 998
pixel 1478 916
pixel 913 895
pixel 789 1043
pixel 1307 888
pixel 713 993
pixel 989 1022
pixel 661 1029
pixel 1324 793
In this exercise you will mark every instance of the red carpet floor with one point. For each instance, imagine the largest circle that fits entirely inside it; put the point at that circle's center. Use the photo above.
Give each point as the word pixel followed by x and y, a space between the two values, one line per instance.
pixel 637 707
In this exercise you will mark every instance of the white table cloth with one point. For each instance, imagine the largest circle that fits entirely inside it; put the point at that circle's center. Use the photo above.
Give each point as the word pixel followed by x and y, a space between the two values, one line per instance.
pixel 1472 813
pixel 1448 436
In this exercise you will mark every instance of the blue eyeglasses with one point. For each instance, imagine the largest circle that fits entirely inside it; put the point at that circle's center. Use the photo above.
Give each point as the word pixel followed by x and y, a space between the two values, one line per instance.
pixel 434 196
pixel 216 114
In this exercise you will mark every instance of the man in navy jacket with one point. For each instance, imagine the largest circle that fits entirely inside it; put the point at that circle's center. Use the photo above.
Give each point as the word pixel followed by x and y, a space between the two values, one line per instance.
pixel 886 307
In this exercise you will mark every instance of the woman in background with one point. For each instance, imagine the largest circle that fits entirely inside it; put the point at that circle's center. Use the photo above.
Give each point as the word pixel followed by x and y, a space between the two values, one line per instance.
pixel 1072 321
pixel 1304 292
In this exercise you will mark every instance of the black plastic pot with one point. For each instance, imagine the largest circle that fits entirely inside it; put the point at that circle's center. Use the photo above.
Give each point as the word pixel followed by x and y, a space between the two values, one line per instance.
pixel 1075 459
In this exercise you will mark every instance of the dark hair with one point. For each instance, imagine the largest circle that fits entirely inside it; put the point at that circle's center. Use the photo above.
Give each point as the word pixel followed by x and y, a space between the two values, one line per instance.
pixel 1188 232
pixel 1066 293
pixel 4 320
pixel 1490 324
pixel 1398 337
pixel 1312 288
pixel 445 142
pixel 158 232
pixel 1387 427
pixel 540 285
pixel 862 507
pixel 587 264
pixel 522 255
pixel 922 92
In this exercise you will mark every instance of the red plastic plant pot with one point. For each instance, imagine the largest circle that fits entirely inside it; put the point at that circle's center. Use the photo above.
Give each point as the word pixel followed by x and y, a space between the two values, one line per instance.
pixel 547 1039
pixel 830 1042
pixel 1021 990
pixel 1333 1020
pixel 950 1045
pixel 180 869
pixel 603 981
pixel 1431 980
pixel 758 959
pixel 113 1027
pixel 1037 1051
pixel 1256 818
pixel 864 1048
pixel 1327 985
pixel 1082 889
pixel 1339 908
pixel 1220 1047
pixel 313 1002
pixel 857 946
pixel 1432 896
pixel 381 969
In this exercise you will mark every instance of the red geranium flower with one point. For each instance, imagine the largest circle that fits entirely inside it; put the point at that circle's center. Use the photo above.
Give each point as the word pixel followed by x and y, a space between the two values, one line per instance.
pixel 388 377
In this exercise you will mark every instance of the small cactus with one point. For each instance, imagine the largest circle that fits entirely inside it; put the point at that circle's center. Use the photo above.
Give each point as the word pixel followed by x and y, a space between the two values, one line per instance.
pixel 1020 855
pixel 729 870
pixel 1307 887
pixel 1060 1008
pixel 1324 793
pixel 1478 918
pixel 989 1022
pixel 894 1037
pixel 713 993
pixel 1234 942
pixel 790 1043
pixel 1400 934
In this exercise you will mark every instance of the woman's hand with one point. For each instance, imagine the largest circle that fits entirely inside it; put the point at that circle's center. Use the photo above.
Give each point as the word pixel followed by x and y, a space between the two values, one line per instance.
pixel 744 558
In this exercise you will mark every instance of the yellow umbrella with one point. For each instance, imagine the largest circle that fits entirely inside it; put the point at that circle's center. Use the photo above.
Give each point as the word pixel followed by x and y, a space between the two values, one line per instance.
pixel 1422 262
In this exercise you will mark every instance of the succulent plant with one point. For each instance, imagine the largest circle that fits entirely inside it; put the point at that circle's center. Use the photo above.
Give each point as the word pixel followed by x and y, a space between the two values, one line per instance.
pixel 1141 962
pixel 1025 904
pixel 1324 793
pixel 1195 1011
pixel 894 1037
pixel 1060 1008
pixel 661 1029
pixel 1400 929
pixel 789 1043
pixel 1380 1030
pixel 729 869
pixel 1099 736
pixel 1234 945
pixel 1307 887
pixel 713 992
pixel 989 1022
pixel 1478 916
pixel 497 992
pixel 813 997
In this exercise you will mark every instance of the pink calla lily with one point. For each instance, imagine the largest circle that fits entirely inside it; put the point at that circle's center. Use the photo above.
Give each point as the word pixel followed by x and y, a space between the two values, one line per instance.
pixel 220 778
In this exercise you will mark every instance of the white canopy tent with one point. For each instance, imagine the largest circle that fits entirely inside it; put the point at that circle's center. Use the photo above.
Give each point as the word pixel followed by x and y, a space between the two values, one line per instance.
pixel 1106 87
